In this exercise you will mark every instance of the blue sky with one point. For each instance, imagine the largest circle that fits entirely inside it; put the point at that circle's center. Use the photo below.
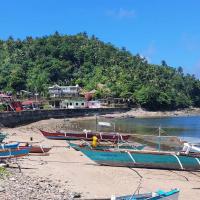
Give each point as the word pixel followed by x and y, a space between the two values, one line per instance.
pixel 159 30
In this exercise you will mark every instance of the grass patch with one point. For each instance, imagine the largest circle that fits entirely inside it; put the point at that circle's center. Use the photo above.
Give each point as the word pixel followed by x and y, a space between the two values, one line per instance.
pixel 3 172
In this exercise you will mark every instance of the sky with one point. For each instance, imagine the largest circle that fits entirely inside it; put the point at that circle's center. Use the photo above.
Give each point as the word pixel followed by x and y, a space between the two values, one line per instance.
pixel 156 29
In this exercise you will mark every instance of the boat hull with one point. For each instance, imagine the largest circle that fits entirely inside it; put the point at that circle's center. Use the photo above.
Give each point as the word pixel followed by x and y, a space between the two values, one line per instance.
pixel 37 149
pixel 105 147
pixel 113 137
pixel 9 145
pixel 143 159
pixel 172 195
pixel 13 153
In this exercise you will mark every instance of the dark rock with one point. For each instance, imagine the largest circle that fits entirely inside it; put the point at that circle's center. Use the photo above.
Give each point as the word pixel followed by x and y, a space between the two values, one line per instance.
pixel 76 195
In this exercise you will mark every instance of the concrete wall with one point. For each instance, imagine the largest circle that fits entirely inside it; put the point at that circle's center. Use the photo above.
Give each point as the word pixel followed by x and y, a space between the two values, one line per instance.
pixel 12 119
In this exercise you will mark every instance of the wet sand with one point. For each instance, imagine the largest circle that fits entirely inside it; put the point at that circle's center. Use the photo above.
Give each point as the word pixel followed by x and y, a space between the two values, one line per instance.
pixel 79 174
pixel 141 113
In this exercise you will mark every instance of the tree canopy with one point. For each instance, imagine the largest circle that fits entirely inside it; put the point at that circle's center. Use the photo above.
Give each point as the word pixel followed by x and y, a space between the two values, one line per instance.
pixel 33 64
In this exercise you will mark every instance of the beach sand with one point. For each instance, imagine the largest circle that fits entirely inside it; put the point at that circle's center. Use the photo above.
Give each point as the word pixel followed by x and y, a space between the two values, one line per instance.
pixel 79 174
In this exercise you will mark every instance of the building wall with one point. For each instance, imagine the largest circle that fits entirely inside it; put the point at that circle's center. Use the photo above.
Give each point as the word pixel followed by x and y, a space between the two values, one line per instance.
pixel 57 91
pixel 93 104
pixel 12 119
pixel 73 104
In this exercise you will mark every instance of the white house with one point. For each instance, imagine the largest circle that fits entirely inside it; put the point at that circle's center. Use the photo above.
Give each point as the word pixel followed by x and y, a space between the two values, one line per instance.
pixel 58 91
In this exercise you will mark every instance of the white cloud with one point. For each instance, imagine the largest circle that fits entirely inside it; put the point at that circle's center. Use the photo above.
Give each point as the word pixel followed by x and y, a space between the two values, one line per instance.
pixel 121 13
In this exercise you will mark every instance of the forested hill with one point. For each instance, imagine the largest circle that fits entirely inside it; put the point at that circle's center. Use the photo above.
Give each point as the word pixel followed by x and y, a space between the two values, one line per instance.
pixel 34 64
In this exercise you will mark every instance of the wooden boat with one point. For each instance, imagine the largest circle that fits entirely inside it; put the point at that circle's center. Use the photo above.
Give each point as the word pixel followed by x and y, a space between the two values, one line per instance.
pixel 123 146
pixel 13 153
pixel 160 194
pixel 39 149
pixel 13 145
pixel 113 137
pixel 36 149
pixel 145 159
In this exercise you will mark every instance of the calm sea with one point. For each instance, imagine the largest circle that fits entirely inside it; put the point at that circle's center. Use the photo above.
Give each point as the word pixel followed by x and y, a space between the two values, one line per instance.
pixel 187 128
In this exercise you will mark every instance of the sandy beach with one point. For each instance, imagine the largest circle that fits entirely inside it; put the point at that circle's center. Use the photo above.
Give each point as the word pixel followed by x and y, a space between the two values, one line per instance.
pixel 77 173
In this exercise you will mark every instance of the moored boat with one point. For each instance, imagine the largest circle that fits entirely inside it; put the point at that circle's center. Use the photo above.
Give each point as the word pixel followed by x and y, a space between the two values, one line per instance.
pixel 160 194
pixel 85 135
pixel 145 159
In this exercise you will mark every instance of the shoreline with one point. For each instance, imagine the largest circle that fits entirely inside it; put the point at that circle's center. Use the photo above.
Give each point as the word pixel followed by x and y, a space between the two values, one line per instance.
pixel 140 113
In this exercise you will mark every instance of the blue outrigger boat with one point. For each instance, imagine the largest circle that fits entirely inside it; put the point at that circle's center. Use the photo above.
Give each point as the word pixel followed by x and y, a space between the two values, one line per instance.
pixel 13 145
pixel 122 146
pixel 13 153
pixel 145 159
pixel 160 194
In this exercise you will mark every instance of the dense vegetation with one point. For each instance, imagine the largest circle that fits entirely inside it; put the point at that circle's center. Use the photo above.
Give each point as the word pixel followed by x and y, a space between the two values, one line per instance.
pixel 33 64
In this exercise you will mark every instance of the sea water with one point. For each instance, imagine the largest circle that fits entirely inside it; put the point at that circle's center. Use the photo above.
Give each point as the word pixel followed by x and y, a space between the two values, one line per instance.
pixel 187 127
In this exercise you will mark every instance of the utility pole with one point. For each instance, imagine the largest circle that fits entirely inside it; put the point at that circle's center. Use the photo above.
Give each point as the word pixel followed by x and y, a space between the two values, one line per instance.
pixel 159 134
pixel 96 122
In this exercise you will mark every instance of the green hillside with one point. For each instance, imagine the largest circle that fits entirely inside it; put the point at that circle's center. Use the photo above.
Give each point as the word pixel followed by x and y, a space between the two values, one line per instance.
pixel 34 64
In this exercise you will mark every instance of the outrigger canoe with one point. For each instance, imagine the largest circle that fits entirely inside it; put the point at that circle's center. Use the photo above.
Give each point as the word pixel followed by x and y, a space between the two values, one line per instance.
pixel 160 194
pixel 13 145
pixel 123 146
pixel 13 153
pixel 145 159
pixel 113 137
pixel 39 149
pixel 36 148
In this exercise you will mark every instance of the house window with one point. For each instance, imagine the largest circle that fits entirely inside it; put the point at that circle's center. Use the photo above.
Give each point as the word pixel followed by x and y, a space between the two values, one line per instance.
pixel 76 104
pixel 82 104
pixel 70 103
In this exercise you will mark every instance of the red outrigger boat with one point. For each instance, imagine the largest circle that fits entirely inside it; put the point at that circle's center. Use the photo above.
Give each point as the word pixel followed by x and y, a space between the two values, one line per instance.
pixel 36 149
pixel 113 137
pixel 39 149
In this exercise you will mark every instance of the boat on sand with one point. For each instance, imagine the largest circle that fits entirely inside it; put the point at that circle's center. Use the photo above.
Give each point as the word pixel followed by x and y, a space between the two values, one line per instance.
pixel 36 148
pixel 145 159
pixel 12 145
pixel 13 153
pixel 86 135
pixel 104 146
pixel 160 194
